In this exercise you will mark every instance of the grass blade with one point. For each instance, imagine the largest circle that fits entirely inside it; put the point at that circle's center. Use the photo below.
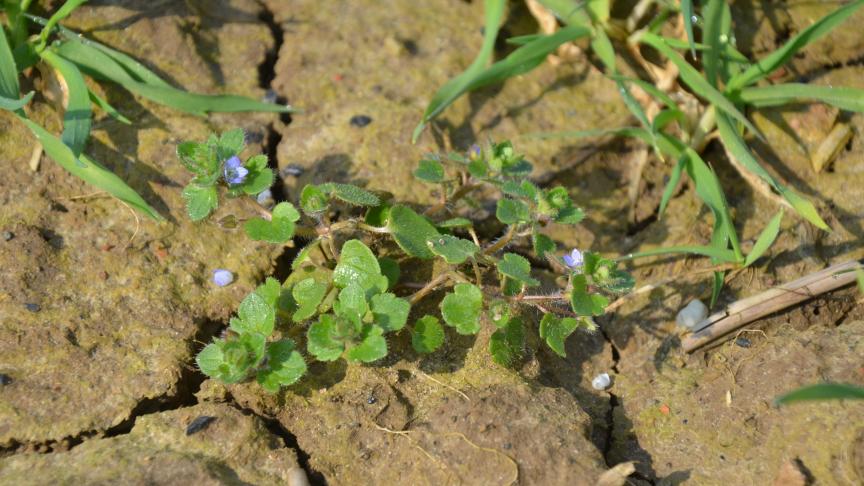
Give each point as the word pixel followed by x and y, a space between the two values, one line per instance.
pixel 782 55
pixel 766 238
pixel 717 281
pixel 708 251
pixel 9 87
pixel 15 104
pixel 671 185
pixel 687 13
pixel 648 88
pixel 729 52
pixel 697 83
pixel 736 146
pixel 107 108
pixel 822 391
pixel 88 170
pixel 712 12
pixel 59 15
pixel 850 99
pixel 98 64
pixel 493 10
pixel 76 117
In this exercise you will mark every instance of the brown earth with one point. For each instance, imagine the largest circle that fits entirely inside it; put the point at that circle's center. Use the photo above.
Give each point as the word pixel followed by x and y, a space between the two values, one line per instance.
pixel 119 321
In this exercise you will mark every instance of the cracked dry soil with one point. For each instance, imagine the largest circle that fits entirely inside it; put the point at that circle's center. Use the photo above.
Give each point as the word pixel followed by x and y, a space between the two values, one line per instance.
pixel 103 386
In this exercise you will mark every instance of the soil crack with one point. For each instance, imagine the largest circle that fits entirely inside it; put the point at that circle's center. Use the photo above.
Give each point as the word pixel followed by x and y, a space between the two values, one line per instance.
pixel 290 440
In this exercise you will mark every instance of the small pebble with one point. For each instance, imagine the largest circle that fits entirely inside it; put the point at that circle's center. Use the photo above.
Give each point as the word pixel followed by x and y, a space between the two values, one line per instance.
pixel 743 342
pixel 360 121
pixel 601 381
pixel 694 313
pixel 222 277
pixel 5 379
pixel 8 235
pixel 371 400
pixel 33 307
pixel 199 424
pixel 265 197
pixel 270 96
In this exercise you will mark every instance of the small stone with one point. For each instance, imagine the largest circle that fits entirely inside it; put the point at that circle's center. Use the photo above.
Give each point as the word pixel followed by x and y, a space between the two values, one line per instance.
pixel 743 342
pixel 691 315
pixel 5 379
pixel 371 400
pixel 33 307
pixel 360 121
pixel 601 381
pixel 8 235
pixel 199 424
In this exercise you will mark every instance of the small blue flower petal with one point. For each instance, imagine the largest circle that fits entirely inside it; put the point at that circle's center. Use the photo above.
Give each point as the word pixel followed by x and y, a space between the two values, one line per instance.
pixel 574 260
pixel 475 151
pixel 234 172
pixel 222 277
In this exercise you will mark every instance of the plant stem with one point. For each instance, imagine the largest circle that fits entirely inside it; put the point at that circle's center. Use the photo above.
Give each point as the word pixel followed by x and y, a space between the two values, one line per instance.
pixel 459 194
pixel 502 242
pixel 429 287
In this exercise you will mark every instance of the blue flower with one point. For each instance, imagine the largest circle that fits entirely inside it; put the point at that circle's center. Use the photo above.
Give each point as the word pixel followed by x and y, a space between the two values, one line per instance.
pixel 475 152
pixel 574 260
pixel 222 277
pixel 234 172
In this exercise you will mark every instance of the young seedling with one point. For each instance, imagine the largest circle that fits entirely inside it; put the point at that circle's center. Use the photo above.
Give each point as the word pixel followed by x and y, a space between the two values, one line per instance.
pixel 344 299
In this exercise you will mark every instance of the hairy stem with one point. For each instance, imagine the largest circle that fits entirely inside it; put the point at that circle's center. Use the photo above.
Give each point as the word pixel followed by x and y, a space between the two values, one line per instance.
pixel 502 242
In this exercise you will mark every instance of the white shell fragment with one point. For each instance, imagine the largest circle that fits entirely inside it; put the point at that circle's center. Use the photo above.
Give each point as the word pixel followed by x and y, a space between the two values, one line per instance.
pixel 694 313
pixel 601 381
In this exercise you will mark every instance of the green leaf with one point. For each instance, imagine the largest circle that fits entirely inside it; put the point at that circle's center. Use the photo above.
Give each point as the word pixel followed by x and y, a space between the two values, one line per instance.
pixel 285 366
pixel 230 361
pixel 200 201
pixel 321 341
pixel 766 238
pixel 716 287
pixel 687 14
pixel 313 200
pixel 455 223
pixel 649 88
pixel 257 181
pixel 427 335
pixel 411 231
pixel 308 294
pixel 254 315
pixel 354 195
pixel 713 12
pixel 583 303
pixel 68 7
pixel 452 249
pixel 507 343
pixel 511 211
pixel 720 254
pixel 822 391
pixel 430 171
pixel 390 269
pixel 12 104
pixel 372 348
pixel 270 291
pixel 461 308
pixel 303 257
pixel 697 83
pixel 88 170
pixel 351 303
pixel 390 312
pixel 782 55
pixel 357 264
pixel 542 244
pixel 859 276
pixel 9 87
pixel 232 143
pixel 76 117
pixel 279 229
pixel 674 178
pixel 738 148
pixel 493 11
pixel 521 189
pixel 107 108
pixel 518 268
pixel 96 63
pixel 571 215
pixel 555 331
pixel 849 99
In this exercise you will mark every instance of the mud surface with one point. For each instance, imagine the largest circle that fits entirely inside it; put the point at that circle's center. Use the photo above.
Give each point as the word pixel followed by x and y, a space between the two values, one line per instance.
pixel 100 363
